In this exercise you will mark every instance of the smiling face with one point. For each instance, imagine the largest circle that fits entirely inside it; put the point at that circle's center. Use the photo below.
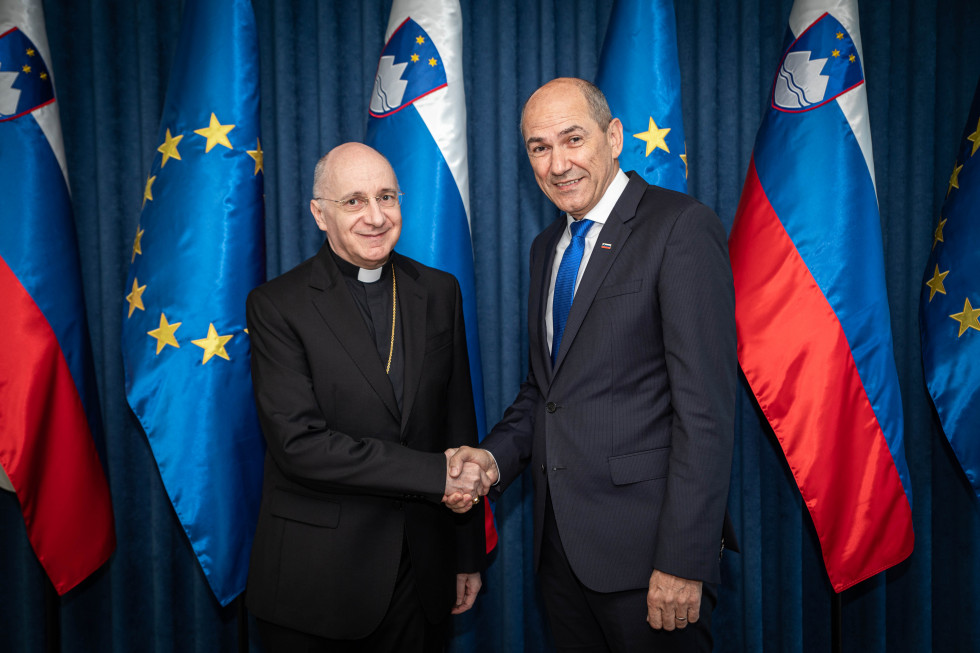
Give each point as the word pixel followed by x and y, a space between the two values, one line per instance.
pixel 359 229
pixel 574 158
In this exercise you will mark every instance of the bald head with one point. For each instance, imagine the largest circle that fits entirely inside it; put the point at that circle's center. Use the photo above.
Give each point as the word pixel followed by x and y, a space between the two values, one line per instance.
pixel 561 87
pixel 355 201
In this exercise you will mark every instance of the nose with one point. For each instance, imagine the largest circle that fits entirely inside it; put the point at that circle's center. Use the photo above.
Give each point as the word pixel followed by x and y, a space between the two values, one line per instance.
pixel 559 162
pixel 375 215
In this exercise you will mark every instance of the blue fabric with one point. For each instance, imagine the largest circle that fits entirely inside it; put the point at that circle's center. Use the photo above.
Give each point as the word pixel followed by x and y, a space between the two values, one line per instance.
pixel 949 306
pixel 641 78
pixel 565 282
pixel 199 253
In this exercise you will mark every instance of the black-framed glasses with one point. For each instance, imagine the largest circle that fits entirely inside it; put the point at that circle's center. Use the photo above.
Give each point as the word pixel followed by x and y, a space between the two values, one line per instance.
pixel 358 202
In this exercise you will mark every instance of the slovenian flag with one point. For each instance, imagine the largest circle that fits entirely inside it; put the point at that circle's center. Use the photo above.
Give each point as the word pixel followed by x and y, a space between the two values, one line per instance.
pixel 641 78
pixel 197 252
pixel 48 404
pixel 814 335
pixel 418 121
pixel 949 307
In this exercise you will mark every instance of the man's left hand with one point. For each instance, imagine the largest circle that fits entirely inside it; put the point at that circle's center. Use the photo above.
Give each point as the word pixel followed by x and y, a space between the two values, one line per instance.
pixel 672 601
pixel 467 587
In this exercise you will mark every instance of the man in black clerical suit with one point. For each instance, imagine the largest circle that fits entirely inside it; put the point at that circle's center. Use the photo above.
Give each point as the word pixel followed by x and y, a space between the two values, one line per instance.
pixel 627 414
pixel 362 382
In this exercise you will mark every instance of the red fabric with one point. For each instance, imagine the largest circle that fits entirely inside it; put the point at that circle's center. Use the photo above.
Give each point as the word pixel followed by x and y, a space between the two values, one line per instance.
pixel 797 360
pixel 46 445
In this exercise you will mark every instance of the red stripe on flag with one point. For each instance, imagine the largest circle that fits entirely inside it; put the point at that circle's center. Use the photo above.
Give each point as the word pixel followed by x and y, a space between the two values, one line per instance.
pixel 46 446
pixel 797 360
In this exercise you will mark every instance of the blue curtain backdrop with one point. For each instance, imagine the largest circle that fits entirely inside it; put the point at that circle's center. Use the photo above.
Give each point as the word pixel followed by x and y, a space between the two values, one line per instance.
pixel 111 61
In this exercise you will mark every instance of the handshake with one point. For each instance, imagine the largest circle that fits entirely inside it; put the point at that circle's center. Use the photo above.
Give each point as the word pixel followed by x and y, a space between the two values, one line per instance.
pixel 469 474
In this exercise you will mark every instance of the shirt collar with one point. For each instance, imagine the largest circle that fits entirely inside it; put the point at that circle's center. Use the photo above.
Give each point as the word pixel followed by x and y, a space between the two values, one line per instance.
pixel 600 212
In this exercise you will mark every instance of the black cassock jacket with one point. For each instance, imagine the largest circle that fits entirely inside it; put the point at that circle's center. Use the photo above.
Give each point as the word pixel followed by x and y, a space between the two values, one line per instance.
pixel 350 478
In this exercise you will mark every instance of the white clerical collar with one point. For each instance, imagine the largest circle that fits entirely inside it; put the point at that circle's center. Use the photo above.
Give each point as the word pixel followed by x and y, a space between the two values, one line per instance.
pixel 369 276
pixel 605 205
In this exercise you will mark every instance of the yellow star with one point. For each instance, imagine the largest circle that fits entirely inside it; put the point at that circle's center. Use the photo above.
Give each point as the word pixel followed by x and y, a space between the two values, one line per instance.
pixel 26 68
pixel 420 40
pixel 954 180
pixel 684 159
pixel 654 137
pixel 148 191
pixel 135 298
pixel 257 155
pixel 851 58
pixel 213 345
pixel 937 235
pixel 968 319
pixel 840 35
pixel 44 75
pixel 936 283
pixel 169 148
pixel 137 248
pixel 975 139
pixel 432 62
pixel 415 58
pixel 165 334
pixel 30 52
pixel 835 53
pixel 216 133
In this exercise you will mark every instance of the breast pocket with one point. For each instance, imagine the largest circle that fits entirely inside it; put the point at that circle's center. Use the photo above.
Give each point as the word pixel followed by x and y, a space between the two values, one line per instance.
pixel 617 289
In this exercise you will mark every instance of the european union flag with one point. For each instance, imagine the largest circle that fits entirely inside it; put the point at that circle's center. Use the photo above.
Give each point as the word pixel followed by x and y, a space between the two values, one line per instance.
pixel 198 250
pixel 641 78
pixel 949 307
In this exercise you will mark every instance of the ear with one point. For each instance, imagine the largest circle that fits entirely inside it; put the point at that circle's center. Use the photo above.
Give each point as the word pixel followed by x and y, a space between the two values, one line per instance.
pixel 614 135
pixel 321 219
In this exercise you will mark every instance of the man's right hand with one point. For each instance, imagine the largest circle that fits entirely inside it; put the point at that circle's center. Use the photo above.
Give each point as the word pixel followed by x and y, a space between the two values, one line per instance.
pixel 470 473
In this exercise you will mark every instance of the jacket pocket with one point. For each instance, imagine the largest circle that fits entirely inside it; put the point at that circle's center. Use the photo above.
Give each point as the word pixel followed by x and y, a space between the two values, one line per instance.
pixel 439 340
pixel 301 508
pixel 616 289
pixel 640 466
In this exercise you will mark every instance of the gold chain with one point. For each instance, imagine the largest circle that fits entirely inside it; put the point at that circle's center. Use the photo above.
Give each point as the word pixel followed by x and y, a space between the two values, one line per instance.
pixel 394 300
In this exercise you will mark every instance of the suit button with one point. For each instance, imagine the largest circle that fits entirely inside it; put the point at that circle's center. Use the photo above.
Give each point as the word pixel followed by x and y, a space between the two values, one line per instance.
pixel 551 406
pixel 543 470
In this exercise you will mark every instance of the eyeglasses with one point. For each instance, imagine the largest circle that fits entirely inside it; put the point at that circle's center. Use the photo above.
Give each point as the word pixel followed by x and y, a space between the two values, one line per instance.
pixel 355 203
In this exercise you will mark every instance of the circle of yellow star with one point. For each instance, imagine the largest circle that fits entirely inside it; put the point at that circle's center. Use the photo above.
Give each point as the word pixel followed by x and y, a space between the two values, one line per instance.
pixel 257 155
pixel 954 180
pixel 169 148
pixel 654 137
pixel 164 334
pixel 936 283
pixel 137 247
pixel 216 133
pixel 135 298
pixel 148 191
pixel 968 319
pixel 213 345
pixel 937 235
pixel 975 139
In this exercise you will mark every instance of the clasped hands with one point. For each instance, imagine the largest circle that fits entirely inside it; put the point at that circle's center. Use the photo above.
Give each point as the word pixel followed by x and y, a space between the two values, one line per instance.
pixel 469 474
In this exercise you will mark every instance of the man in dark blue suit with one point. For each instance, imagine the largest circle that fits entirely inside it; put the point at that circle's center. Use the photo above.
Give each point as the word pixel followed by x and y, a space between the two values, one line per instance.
pixel 627 413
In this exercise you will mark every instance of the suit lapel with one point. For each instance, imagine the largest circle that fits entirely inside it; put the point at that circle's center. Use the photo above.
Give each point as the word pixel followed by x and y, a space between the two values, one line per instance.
pixel 614 233
pixel 412 301
pixel 539 286
pixel 337 308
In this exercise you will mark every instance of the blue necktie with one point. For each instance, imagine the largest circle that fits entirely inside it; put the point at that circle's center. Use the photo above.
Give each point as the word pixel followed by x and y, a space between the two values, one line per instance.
pixel 565 282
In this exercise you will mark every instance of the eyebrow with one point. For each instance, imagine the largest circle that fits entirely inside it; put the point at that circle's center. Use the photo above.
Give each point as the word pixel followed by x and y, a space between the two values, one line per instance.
pixel 564 132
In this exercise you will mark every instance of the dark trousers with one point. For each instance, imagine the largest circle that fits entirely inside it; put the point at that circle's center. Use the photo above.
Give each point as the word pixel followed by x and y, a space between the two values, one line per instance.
pixel 403 629
pixel 585 621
